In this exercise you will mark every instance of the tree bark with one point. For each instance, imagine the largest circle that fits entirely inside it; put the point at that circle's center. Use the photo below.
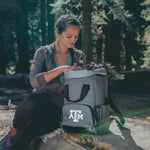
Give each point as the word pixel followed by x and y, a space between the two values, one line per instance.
pixel 22 40
pixel 2 63
pixel 113 43
pixel 86 29
pixel 99 44
pixel 128 50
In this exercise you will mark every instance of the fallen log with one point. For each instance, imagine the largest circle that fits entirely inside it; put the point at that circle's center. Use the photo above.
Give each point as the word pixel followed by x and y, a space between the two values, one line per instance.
pixel 136 81
pixel 139 73
pixel 15 80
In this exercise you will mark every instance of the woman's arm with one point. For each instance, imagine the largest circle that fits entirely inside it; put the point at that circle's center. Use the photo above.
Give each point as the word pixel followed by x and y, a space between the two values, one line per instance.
pixel 50 75
pixel 38 76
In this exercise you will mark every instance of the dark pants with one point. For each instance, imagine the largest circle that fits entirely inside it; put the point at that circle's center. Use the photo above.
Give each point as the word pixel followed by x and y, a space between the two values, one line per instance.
pixel 43 115
pixel 35 116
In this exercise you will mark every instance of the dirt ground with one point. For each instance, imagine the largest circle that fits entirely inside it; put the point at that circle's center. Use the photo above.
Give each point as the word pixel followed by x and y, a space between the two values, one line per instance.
pixel 134 106
pixel 9 100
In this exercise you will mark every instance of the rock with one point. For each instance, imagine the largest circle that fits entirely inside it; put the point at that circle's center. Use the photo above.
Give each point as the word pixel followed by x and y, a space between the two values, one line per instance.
pixel 53 141
pixel 60 140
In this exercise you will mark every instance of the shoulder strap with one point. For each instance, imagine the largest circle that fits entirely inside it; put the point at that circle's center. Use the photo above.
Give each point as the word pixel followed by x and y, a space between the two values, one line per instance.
pixel 114 107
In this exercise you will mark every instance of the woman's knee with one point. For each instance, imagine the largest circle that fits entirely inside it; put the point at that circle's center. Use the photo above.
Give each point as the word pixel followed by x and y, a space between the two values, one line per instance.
pixel 25 110
pixel 29 101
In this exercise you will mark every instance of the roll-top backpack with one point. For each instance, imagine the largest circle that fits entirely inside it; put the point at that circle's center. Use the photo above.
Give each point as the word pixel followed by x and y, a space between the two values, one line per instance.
pixel 86 100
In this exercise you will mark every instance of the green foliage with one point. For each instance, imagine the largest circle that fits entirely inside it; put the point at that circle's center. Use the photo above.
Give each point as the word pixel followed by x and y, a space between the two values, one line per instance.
pixel 71 7
pixel 58 8
pixel 115 9
pixel 146 58
pixel 112 73
pixel 146 40
pixel 146 11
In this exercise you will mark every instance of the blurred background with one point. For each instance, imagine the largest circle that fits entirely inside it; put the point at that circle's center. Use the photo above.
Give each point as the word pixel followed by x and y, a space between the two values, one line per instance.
pixel 114 33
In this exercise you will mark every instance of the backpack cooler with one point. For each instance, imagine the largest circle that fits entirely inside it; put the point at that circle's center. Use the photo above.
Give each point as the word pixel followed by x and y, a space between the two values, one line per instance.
pixel 85 99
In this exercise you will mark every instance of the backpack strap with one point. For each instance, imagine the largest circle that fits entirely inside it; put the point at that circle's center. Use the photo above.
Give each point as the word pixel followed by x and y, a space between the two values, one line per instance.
pixel 114 107
pixel 83 93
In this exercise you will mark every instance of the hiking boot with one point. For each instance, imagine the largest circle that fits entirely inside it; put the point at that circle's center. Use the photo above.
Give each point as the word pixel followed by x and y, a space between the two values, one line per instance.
pixel 10 139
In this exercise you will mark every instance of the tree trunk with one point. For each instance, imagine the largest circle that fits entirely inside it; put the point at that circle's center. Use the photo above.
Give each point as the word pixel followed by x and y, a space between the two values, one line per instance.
pixel 2 67
pixel 86 30
pixel 108 38
pixel 50 20
pixel 16 80
pixel 22 41
pixel 113 43
pixel 43 21
pixel 99 43
pixel 78 44
pixel 2 61
pixel 128 50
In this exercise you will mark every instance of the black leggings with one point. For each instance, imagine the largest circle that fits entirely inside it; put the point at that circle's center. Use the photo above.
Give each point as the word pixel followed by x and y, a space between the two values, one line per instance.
pixel 42 114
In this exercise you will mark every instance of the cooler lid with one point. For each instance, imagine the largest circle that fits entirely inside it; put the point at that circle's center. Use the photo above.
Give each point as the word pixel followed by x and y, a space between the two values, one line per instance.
pixel 84 73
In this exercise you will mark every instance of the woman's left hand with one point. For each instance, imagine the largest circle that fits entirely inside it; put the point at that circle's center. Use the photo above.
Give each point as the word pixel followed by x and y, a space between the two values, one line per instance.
pixel 67 68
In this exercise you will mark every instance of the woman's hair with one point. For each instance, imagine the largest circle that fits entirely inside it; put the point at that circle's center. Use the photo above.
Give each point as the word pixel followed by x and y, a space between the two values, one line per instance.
pixel 63 21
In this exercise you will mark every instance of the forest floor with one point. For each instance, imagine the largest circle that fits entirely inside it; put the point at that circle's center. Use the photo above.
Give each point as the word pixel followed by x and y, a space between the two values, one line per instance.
pixel 9 100
pixel 134 106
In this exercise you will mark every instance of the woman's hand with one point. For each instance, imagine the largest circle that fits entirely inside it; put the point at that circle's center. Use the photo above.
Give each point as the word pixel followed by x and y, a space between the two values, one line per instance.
pixel 50 75
pixel 67 68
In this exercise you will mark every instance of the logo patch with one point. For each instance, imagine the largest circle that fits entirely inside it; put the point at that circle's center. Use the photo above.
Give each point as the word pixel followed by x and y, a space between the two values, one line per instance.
pixel 76 115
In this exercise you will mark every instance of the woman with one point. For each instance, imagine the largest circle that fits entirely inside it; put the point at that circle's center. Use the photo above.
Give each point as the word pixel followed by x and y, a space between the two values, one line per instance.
pixel 42 108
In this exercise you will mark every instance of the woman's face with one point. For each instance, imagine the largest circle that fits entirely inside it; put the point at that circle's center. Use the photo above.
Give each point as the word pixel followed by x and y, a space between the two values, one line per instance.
pixel 68 38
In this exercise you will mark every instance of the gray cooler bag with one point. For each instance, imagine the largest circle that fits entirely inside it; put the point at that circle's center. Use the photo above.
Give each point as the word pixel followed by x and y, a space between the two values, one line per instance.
pixel 85 93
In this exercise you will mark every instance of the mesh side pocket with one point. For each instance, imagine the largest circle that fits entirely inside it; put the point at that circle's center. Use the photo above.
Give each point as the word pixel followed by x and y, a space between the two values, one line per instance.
pixel 102 119
pixel 105 112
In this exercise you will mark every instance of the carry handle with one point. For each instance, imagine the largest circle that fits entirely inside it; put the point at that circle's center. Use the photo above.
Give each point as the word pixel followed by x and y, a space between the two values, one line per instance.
pixel 83 93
